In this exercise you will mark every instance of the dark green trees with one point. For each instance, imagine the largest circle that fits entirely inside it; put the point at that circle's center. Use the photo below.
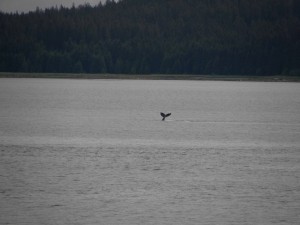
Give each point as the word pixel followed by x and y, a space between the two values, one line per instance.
pixel 140 36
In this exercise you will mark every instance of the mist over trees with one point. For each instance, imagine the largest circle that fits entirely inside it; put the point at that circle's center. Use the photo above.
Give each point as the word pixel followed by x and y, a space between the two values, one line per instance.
pixel 251 37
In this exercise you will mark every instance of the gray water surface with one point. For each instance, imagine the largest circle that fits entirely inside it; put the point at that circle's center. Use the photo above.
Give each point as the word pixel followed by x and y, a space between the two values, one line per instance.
pixel 96 152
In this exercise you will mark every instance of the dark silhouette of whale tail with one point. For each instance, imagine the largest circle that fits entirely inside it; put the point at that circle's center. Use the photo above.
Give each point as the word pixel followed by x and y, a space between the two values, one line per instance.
pixel 165 115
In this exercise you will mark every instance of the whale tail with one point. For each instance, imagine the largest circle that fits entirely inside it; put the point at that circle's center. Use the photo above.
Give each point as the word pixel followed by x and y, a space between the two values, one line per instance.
pixel 165 115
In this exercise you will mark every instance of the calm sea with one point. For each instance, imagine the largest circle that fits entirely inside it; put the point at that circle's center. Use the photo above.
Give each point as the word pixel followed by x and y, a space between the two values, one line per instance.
pixel 96 152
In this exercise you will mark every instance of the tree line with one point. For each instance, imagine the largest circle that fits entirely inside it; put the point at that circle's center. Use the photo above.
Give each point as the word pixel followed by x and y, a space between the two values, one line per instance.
pixel 257 37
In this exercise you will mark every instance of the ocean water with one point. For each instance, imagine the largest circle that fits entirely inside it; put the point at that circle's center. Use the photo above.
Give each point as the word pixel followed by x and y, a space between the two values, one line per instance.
pixel 96 152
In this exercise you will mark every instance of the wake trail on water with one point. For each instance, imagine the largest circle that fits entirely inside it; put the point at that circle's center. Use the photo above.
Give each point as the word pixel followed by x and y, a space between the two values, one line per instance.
pixel 232 122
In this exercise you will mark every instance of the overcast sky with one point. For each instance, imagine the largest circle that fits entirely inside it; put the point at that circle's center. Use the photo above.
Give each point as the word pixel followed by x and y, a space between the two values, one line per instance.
pixel 30 5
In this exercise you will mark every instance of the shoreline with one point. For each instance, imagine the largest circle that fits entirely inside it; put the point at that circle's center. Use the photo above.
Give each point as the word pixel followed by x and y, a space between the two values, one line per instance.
pixel 271 78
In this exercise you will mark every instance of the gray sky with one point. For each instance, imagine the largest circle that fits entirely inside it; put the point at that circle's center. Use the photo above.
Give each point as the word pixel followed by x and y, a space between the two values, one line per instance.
pixel 30 5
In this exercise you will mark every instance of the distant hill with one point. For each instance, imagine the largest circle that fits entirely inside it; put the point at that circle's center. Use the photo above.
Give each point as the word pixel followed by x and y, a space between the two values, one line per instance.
pixel 244 37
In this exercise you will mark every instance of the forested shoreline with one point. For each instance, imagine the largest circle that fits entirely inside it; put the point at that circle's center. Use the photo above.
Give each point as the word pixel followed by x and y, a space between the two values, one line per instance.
pixel 228 37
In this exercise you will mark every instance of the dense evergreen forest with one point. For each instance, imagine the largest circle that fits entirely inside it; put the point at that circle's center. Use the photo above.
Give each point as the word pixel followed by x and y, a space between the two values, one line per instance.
pixel 244 37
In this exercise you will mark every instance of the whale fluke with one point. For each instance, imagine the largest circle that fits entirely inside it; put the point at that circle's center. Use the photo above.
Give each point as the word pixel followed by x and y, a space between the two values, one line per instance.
pixel 165 115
